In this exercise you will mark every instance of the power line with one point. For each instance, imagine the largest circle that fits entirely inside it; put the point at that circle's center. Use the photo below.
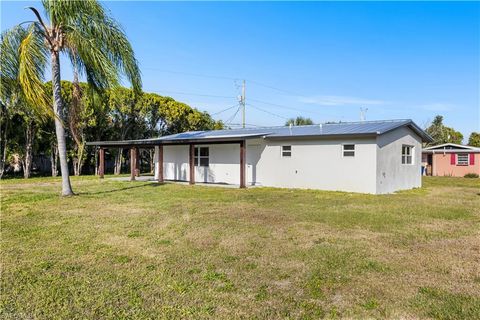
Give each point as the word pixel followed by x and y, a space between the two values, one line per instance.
pixel 266 111
pixel 224 78
pixel 196 94
pixel 191 74
pixel 274 88
pixel 224 110
pixel 233 117
pixel 280 106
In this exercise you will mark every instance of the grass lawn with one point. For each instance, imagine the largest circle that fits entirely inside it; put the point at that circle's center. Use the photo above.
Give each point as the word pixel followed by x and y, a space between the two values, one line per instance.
pixel 141 250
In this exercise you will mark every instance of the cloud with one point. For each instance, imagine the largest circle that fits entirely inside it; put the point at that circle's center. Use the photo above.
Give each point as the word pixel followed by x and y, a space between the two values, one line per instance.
pixel 340 101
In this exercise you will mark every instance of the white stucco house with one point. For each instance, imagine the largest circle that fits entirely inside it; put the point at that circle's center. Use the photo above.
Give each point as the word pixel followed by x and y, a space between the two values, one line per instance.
pixel 374 157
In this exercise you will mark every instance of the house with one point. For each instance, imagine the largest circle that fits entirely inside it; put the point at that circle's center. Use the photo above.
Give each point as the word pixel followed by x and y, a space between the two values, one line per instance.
pixel 370 157
pixel 450 159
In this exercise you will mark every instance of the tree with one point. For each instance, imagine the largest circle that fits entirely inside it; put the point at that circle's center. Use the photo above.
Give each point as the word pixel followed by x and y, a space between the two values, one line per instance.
pixel 474 139
pixel 442 134
pixel 299 121
pixel 14 106
pixel 96 47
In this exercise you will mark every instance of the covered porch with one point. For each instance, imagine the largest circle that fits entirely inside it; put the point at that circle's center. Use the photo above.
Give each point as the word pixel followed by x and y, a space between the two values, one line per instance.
pixel 195 161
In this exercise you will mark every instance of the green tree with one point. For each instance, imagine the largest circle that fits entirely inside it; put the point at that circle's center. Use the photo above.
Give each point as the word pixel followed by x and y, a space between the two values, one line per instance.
pixel 94 43
pixel 19 120
pixel 474 139
pixel 299 121
pixel 442 134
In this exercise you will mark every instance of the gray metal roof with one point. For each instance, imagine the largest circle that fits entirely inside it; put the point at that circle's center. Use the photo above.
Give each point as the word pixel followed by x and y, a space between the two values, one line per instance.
pixel 319 130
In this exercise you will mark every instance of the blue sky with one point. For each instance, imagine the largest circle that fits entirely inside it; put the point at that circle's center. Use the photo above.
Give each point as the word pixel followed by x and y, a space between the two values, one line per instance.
pixel 323 60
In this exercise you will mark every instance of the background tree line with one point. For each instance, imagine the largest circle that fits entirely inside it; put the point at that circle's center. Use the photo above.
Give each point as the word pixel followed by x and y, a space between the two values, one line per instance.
pixel 91 115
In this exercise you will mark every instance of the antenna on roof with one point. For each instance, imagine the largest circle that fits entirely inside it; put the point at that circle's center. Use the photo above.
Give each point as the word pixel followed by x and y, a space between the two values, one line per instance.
pixel 363 114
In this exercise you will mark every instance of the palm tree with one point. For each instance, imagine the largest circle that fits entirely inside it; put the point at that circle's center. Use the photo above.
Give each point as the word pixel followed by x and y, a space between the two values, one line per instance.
pixel 93 42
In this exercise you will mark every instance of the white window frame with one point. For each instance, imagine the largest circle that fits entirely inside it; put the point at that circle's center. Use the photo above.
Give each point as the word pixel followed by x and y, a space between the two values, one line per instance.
pixel 407 155
pixel 286 153
pixel 198 157
pixel 463 163
pixel 353 151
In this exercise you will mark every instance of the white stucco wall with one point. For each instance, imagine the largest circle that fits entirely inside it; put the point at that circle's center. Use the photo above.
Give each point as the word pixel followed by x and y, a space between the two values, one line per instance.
pixel 314 164
pixel 392 175
pixel 224 164
pixel 319 164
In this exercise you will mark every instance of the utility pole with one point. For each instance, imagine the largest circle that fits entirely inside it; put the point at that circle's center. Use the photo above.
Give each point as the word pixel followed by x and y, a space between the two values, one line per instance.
pixel 242 101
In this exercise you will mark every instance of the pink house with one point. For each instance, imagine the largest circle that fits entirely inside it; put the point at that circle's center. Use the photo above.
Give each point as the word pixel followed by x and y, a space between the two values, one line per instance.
pixel 451 159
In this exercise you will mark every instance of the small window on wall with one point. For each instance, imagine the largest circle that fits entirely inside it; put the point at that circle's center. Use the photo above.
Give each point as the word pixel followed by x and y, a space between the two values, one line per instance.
pixel 462 159
pixel 407 154
pixel 286 151
pixel 202 157
pixel 348 150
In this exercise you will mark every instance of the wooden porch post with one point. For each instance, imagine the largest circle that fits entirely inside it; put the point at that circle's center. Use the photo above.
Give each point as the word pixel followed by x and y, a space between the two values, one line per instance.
pixel 242 164
pixel 133 159
pixel 192 164
pixel 101 167
pixel 160 163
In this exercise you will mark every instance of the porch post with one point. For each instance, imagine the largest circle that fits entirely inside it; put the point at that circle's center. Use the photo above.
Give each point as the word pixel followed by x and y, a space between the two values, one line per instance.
pixel 160 163
pixel 137 162
pixel 242 164
pixel 192 164
pixel 133 159
pixel 101 167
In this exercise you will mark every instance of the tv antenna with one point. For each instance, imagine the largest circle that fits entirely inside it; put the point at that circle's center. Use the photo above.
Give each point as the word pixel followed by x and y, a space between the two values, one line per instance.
pixel 363 114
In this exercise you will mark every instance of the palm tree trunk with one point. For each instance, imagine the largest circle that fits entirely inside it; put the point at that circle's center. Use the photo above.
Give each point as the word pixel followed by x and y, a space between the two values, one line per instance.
pixel 59 128
pixel 27 164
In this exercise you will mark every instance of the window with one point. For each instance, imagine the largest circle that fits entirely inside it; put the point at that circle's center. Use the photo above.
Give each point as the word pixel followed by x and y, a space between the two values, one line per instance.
pixel 286 151
pixel 201 157
pixel 462 159
pixel 407 154
pixel 348 150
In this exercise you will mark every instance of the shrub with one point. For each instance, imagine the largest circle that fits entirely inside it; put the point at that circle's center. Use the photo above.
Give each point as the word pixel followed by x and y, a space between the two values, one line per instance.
pixel 471 175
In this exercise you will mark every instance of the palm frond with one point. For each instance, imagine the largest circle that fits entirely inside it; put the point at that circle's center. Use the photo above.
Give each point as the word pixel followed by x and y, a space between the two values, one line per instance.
pixel 9 61
pixel 103 50
pixel 33 55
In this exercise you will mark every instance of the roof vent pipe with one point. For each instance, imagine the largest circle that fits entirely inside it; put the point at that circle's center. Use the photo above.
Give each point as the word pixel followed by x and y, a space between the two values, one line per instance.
pixel 290 128
pixel 321 128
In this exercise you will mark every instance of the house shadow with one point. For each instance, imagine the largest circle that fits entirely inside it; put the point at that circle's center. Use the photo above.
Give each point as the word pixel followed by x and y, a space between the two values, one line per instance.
pixel 143 185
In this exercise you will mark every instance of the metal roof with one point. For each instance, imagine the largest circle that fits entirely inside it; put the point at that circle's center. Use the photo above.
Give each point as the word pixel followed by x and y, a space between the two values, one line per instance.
pixel 362 128
pixel 451 148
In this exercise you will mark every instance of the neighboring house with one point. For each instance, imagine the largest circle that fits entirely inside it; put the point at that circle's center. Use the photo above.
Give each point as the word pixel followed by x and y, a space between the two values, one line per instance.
pixel 369 157
pixel 451 159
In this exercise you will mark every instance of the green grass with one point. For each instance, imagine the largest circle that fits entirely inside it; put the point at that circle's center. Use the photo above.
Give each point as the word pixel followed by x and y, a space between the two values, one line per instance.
pixel 146 251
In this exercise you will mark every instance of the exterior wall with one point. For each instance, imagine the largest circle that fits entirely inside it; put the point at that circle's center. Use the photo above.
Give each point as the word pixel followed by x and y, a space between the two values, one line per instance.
pixel 317 164
pixel 224 164
pixel 391 174
pixel 314 164
pixel 442 167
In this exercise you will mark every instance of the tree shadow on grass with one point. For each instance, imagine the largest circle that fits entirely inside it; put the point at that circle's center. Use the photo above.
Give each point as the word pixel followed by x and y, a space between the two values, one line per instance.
pixel 149 184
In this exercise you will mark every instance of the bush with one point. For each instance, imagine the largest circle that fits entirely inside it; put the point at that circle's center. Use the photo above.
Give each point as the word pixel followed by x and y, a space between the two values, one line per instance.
pixel 471 175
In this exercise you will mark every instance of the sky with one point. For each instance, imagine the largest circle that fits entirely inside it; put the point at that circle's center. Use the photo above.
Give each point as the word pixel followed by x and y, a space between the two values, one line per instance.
pixel 323 60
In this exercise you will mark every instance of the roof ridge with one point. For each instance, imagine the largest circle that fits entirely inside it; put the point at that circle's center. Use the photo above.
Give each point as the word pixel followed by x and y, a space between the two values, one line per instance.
pixel 309 125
